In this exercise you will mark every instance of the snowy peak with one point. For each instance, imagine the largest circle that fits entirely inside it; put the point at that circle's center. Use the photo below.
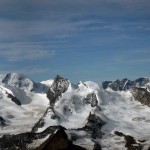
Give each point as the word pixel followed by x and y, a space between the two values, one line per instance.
pixel 125 84
pixel 117 85
pixel 18 80
pixel 71 105
pixel 59 86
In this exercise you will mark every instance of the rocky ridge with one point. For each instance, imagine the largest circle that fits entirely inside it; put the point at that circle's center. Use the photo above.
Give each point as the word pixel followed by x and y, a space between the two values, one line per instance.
pixel 126 84
pixel 142 95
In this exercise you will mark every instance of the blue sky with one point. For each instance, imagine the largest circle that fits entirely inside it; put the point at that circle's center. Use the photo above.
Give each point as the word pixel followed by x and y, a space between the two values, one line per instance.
pixel 80 40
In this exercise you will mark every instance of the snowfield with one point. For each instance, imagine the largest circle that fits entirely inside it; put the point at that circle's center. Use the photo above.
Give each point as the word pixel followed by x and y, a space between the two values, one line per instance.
pixel 125 115
pixel 22 118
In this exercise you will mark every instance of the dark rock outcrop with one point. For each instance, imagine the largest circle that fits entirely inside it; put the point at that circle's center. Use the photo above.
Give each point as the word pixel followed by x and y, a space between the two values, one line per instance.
pixel 93 126
pixel 21 141
pixel 14 99
pixel 106 84
pixel 59 86
pixel 2 121
pixel 57 140
pixel 91 99
pixel 117 85
pixel 97 146
pixel 125 84
pixel 131 143
pixel 142 95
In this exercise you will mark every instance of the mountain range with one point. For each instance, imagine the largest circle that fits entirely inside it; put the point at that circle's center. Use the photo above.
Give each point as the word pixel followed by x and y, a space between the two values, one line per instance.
pixel 57 114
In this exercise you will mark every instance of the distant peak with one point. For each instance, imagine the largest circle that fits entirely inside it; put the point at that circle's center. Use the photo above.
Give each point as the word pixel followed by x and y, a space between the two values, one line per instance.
pixel 58 77
pixel 13 76
pixel 125 83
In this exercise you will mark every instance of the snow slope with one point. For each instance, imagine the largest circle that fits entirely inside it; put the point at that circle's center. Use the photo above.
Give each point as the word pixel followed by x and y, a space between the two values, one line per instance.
pixel 20 119
pixel 125 115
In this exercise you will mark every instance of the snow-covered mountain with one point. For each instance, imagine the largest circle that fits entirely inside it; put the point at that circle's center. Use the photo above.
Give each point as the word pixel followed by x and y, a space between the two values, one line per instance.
pixel 57 114
pixel 22 103
pixel 22 82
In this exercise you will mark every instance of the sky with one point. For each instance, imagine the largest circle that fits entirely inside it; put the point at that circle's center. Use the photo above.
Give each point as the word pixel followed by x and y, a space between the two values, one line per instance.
pixel 78 39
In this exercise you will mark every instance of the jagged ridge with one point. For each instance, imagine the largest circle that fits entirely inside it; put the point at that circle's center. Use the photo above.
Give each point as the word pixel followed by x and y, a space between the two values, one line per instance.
pixel 125 84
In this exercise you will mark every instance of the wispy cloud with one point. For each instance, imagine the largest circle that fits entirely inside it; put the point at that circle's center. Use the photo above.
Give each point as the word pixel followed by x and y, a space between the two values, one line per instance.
pixel 29 70
pixel 34 70
pixel 142 51
pixel 45 20
pixel 133 61
pixel 138 56
pixel 21 52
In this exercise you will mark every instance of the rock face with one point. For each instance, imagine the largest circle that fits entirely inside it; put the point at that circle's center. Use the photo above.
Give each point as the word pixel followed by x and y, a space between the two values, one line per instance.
pixel 125 84
pixel 94 125
pixel 117 85
pixel 58 141
pixel 91 99
pixel 21 141
pixel 59 86
pixel 14 99
pixel 131 143
pixel 2 121
pixel 4 92
pixel 142 95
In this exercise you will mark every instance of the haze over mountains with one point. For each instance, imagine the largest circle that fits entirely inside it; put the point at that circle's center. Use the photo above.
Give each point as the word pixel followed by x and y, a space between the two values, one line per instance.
pixel 57 114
